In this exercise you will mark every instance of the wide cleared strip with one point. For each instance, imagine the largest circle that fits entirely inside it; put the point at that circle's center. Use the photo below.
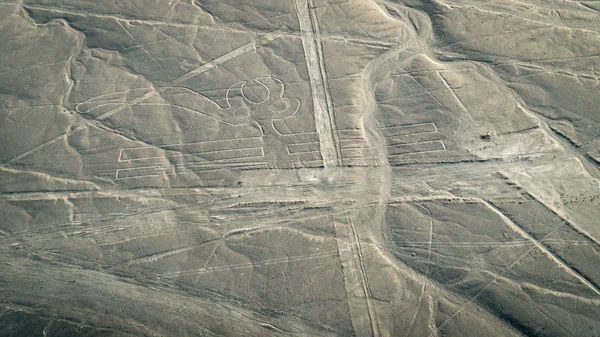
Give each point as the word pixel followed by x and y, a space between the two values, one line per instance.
pixel 212 155
pixel 306 147
pixel 179 169
pixel 408 129
pixel 193 147
pixel 403 149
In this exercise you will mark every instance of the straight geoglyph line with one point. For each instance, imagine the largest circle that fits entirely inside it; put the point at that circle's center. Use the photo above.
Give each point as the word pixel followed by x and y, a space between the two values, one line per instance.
pixel 323 115
pixel 228 56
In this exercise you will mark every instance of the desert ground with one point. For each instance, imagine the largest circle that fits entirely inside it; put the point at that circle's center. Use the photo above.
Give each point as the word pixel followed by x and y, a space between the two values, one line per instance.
pixel 300 168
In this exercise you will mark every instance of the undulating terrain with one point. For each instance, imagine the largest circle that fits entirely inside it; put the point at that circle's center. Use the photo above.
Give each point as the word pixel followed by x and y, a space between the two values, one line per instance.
pixel 300 168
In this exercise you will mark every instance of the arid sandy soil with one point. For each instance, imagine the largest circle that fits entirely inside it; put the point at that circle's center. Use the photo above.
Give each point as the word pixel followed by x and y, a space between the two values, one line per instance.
pixel 299 168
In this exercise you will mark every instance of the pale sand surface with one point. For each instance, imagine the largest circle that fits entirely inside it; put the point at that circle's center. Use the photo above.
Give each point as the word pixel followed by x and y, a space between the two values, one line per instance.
pixel 299 168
